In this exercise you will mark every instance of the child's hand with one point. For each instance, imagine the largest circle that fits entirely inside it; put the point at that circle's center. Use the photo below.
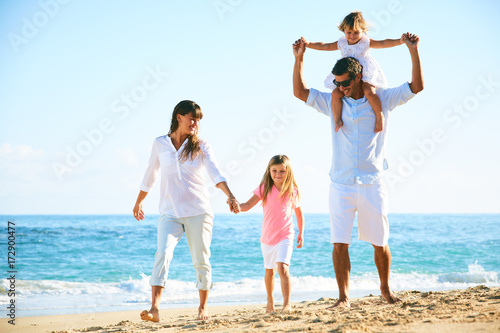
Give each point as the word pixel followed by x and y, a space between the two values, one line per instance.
pixel 234 205
pixel 412 40
pixel 300 241
pixel 403 38
pixel 304 41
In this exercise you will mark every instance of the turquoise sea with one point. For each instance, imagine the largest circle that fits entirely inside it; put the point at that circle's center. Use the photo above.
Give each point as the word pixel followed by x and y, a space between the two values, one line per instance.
pixel 90 263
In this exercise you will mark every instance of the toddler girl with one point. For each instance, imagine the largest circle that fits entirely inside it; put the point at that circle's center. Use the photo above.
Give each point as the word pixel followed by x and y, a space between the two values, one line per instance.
pixel 357 44
pixel 280 197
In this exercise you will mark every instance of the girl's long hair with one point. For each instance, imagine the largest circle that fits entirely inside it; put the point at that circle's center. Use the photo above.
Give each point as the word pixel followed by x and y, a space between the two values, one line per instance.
pixel 289 185
pixel 192 148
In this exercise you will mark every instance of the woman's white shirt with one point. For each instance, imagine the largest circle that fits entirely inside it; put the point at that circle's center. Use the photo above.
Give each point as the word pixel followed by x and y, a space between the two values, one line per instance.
pixel 183 191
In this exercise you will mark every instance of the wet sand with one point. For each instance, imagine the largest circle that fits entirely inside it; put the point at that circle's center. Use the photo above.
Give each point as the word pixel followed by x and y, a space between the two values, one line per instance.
pixel 470 310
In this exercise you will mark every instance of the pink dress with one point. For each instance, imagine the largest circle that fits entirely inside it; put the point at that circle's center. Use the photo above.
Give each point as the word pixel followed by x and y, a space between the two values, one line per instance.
pixel 372 72
pixel 278 216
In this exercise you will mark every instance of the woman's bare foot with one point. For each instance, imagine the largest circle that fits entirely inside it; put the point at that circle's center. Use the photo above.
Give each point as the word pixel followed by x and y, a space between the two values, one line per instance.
pixel 390 297
pixel 340 303
pixel 151 315
pixel 202 314
pixel 287 308
pixel 338 124
pixel 270 308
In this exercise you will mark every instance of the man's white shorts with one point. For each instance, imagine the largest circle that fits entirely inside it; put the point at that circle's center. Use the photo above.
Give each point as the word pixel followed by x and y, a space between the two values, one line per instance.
pixel 281 252
pixel 370 202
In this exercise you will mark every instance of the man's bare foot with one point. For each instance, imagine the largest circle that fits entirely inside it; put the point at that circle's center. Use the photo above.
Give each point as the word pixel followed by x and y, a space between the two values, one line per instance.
pixel 270 308
pixel 390 297
pixel 151 315
pixel 340 303
pixel 202 314
pixel 287 308
pixel 338 124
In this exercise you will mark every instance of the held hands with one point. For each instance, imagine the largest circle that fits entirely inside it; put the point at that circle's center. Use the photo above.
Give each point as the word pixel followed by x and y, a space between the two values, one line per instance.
pixel 234 205
pixel 299 47
pixel 304 41
pixel 411 40
pixel 403 38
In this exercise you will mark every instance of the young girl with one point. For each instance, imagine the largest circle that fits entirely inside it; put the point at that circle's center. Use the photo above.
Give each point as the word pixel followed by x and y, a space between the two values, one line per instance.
pixel 280 197
pixel 357 44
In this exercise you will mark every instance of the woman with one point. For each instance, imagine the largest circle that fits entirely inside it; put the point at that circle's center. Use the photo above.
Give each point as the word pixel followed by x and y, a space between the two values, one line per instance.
pixel 182 158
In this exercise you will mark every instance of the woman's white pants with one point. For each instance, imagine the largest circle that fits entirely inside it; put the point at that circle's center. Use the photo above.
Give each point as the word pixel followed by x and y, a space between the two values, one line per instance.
pixel 198 231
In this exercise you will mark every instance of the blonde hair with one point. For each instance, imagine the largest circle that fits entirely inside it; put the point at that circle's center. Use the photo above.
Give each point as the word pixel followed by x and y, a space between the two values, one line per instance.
pixel 354 21
pixel 289 185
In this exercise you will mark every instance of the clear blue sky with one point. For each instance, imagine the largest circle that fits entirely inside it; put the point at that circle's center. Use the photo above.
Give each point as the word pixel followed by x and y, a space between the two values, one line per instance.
pixel 100 79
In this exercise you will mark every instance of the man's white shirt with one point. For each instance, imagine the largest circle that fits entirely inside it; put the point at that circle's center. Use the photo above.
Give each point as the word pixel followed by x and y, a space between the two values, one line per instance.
pixel 359 154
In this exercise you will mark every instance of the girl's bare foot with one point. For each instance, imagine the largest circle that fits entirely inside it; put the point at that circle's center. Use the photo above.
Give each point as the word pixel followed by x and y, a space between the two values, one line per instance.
pixel 338 124
pixel 340 303
pixel 202 314
pixel 270 308
pixel 379 123
pixel 151 315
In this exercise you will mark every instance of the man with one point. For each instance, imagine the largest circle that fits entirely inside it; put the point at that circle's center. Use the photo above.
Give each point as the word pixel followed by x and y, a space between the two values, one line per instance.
pixel 358 162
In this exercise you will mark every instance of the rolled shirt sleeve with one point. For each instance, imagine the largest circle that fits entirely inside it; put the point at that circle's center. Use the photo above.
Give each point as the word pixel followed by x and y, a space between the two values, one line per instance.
pixel 152 171
pixel 321 101
pixel 211 164
pixel 393 97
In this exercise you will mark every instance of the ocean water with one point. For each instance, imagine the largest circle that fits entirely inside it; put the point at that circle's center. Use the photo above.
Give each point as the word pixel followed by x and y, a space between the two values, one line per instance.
pixel 83 264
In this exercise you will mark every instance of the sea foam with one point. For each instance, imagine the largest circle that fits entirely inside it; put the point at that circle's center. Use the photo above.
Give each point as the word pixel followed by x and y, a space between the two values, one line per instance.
pixel 46 294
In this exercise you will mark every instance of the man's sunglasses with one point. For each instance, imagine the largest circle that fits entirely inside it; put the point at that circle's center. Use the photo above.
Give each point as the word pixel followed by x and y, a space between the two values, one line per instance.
pixel 345 83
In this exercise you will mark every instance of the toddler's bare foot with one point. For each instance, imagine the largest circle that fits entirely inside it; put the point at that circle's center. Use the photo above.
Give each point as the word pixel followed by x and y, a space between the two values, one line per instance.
pixel 270 308
pixel 340 303
pixel 151 315
pixel 338 124
pixel 202 314
pixel 379 123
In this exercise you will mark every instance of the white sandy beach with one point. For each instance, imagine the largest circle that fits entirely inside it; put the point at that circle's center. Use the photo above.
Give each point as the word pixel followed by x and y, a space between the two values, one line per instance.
pixel 475 309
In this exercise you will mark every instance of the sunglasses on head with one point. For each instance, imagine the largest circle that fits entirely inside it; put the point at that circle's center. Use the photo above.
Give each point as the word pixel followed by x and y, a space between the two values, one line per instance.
pixel 345 83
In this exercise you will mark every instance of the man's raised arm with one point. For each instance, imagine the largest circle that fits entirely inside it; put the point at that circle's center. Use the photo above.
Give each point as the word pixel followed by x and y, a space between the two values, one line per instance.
pixel 299 87
pixel 417 77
